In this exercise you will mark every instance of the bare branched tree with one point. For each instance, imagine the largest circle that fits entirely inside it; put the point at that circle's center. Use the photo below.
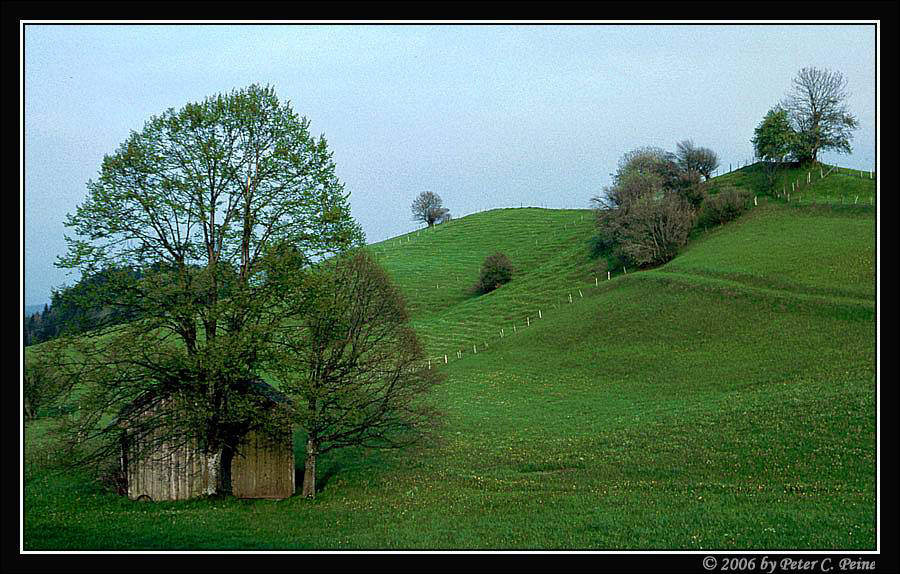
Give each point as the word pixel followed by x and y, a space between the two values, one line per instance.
pixel 645 216
pixel 691 158
pixel 427 208
pixel 818 111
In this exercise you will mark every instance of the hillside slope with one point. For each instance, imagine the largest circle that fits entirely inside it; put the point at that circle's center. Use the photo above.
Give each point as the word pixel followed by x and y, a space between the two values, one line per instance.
pixel 723 401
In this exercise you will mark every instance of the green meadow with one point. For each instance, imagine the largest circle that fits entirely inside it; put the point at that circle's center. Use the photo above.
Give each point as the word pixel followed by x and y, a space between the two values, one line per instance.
pixel 725 401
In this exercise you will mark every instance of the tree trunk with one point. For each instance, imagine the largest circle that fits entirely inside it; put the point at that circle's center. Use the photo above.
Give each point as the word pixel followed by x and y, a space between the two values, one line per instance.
pixel 309 471
pixel 218 479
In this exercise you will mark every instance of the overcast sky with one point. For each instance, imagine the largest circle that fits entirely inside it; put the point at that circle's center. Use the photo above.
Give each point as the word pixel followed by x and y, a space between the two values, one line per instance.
pixel 484 115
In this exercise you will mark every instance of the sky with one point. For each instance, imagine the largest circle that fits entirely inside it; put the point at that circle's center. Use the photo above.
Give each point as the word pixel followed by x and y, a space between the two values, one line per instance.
pixel 486 116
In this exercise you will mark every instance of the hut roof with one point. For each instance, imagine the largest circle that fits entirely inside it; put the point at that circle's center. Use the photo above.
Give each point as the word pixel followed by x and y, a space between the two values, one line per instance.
pixel 256 386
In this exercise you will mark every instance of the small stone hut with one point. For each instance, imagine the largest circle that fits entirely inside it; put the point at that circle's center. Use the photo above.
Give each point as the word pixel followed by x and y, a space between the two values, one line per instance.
pixel 262 467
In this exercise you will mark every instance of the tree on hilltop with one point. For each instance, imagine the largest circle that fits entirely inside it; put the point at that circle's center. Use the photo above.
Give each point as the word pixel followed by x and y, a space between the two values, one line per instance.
pixel 773 140
pixel 818 112
pixel 691 158
pixel 646 214
pixel 428 208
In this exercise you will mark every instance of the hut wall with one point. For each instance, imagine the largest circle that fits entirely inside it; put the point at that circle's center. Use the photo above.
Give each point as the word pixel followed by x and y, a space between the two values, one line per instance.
pixel 263 467
pixel 167 474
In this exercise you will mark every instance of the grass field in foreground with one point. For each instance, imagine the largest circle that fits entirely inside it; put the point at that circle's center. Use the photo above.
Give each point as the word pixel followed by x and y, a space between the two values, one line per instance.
pixel 723 401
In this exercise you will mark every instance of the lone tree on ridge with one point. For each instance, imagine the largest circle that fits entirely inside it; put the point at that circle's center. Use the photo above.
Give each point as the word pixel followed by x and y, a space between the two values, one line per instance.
pixel 427 208
pixel 818 112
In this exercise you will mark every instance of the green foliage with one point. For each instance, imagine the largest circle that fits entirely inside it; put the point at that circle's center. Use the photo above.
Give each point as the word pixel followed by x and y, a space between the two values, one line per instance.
pixel 41 388
pixel 208 203
pixel 352 364
pixel 724 400
pixel 496 271
pixel 774 138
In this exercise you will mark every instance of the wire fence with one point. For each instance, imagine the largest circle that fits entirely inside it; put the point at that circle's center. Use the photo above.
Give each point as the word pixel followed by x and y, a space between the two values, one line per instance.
pixel 526 320
pixel 576 293
pixel 801 185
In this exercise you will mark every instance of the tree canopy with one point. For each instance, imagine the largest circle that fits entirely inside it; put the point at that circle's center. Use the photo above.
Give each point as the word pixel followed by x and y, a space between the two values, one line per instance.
pixel 773 139
pixel 354 367
pixel 817 109
pixel 205 201
pixel 692 158
pixel 428 208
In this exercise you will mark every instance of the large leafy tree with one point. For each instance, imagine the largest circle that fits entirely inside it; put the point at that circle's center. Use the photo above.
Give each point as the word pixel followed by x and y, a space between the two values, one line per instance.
pixel 204 201
pixel 817 108
pixel 352 364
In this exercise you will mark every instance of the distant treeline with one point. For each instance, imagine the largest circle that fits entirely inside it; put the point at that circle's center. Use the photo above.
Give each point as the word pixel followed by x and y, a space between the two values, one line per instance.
pixel 72 310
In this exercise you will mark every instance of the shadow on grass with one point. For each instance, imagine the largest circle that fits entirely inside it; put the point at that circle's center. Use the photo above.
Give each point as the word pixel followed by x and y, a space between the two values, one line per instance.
pixel 350 464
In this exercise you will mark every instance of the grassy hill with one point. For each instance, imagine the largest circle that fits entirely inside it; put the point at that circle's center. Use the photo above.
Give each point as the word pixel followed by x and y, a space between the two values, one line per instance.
pixel 723 401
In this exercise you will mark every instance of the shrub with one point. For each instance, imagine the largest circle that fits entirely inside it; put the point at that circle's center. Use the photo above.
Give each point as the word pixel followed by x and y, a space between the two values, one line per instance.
pixel 496 270
pixel 690 189
pixel 725 206
pixel 652 231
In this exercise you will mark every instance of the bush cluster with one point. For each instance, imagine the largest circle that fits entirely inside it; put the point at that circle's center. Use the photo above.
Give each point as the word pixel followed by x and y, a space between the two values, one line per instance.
pixel 646 215
pixel 496 270
pixel 723 207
